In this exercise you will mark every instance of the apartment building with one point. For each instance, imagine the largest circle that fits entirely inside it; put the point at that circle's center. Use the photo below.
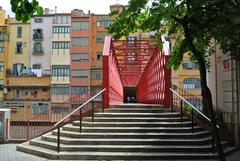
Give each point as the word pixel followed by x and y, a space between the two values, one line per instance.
pixel 26 90
pixel 4 38
pixel 60 59
pixel 87 39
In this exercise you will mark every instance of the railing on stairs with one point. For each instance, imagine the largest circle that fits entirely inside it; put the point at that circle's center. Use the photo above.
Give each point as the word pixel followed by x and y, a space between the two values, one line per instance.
pixel 190 105
pixel 40 123
pixel 87 108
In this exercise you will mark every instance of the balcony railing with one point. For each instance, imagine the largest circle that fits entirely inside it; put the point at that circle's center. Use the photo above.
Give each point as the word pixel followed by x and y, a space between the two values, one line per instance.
pixel 4 37
pixel 28 72
pixel 37 36
pixel 38 51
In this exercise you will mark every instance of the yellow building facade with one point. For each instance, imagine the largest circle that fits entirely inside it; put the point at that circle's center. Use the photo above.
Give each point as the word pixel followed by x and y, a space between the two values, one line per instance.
pixel 4 38
pixel 187 76
pixel 19 48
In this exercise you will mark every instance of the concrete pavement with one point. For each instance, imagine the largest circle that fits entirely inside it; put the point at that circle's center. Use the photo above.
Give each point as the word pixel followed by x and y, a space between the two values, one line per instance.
pixel 8 153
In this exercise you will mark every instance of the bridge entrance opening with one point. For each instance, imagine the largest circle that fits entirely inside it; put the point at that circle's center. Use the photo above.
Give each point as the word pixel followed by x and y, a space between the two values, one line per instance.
pixel 129 94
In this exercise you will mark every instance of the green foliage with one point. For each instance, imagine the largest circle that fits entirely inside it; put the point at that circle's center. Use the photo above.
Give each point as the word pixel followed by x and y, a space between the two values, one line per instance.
pixel 24 9
pixel 196 24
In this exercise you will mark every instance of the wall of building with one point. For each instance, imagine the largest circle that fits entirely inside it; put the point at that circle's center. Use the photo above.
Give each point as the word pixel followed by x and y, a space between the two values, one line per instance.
pixel 223 82
pixel 43 58
pixel 184 73
pixel 61 58
pixel 4 38
pixel 22 57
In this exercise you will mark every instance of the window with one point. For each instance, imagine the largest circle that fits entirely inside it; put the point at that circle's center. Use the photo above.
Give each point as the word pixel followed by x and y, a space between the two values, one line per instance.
pixel 96 74
pixel 189 65
pixel 80 57
pixel 34 92
pixel 1 66
pixel 101 37
pixel 19 32
pixel 37 48
pixel 104 23
pixel 191 83
pixel 131 40
pixel 38 20
pixel 25 92
pixel 18 67
pixel 19 48
pixel 60 90
pixel 1 84
pixel 61 45
pixel 61 29
pixel 99 55
pixel 78 90
pixel 36 66
pixel 80 73
pixel 61 20
pixel 2 49
pixel 195 102
pixel 60 70
pixel 94 91
pixel 39 108
pixel 80 41
pixel 15 93
pixel 37 34
pixel 80 25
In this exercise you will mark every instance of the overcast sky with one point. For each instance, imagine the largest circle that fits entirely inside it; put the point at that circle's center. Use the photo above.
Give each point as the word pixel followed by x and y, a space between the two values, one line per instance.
pixel 95 6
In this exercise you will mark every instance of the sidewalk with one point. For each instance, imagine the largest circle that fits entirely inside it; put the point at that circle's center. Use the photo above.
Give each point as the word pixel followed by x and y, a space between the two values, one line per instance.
pixel 8 153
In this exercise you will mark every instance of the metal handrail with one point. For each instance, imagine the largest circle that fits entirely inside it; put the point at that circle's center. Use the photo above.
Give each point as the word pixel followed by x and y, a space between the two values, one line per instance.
pixel 59 122
pixel 192 113
pixel 209 120
pixel 191 105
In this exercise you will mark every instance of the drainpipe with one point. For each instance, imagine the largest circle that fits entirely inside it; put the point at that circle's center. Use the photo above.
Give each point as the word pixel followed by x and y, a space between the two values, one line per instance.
pixel 238 97
pixel 233 105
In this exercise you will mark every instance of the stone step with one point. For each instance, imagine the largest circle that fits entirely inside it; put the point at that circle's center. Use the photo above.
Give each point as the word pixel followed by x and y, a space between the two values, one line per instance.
pixel 160 115
pixel 133 124
pixel 50 154
pixel 83 135
pixel 82 141
pixel 135 119
pixel 139 105
pixel 70 127
pixel 138 110
pixel 122 148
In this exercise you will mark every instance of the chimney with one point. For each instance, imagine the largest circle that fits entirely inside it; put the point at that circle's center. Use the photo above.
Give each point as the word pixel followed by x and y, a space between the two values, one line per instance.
pixel 46 11
pixel 55 9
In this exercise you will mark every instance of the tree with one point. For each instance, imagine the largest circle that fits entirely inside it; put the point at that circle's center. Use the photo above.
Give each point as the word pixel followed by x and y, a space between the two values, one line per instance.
pixel 24 9
pixel 196 23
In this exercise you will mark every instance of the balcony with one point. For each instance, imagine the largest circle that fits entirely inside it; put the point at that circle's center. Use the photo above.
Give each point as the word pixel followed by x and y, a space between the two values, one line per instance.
pixel 37 36
pixel 28 73
pixel 27 81
pixel 38 51
pixel 4 37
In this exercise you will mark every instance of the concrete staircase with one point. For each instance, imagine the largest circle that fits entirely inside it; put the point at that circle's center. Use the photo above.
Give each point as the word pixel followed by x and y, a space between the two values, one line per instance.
pixel 127 132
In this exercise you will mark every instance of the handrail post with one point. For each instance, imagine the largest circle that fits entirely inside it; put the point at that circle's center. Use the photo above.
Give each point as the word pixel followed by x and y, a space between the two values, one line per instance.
pixel 80 120
pixel 28 124
pixel 92 110
pixel 172 102
pixel 192 120
pixel 213 147
pixel 181 109
pixel 58 139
